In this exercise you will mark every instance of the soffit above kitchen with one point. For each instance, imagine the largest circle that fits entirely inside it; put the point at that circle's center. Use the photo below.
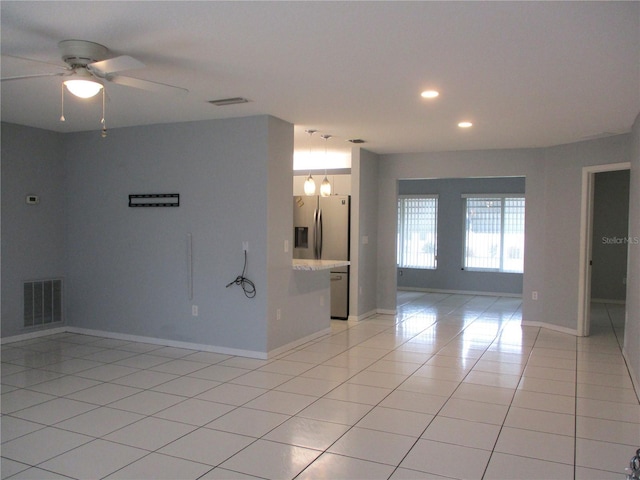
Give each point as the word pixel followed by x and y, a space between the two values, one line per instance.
pixel 526 74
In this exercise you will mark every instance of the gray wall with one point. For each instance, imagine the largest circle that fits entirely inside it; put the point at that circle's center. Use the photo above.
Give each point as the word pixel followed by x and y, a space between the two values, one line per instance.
pixel 32 235
pixel 552 239
pixel 610 231
pixel 302 297
pixel 364 233
pixel 632 325
pixel 126 269
pixel 449 274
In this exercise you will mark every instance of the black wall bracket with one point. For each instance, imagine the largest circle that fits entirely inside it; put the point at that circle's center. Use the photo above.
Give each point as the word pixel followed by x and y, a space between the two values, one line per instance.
pixel 155 200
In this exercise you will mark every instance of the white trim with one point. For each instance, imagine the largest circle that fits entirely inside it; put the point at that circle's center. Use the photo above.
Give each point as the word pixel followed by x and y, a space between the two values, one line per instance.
pixel 549 326
pixel 606 300
pixel 170 343
pixel 493 195
pixel 290 346
pixel 460 292
pixel 382 311
pixel 167 343
pixel 31 335
pixel 586 214
pixel 357 318
pixel 635 380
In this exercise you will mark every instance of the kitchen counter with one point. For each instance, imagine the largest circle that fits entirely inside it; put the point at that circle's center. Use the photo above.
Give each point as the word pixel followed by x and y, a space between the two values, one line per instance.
pixel 313 265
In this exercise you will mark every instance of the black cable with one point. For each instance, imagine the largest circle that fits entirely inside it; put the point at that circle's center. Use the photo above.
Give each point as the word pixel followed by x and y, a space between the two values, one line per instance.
pixel 247 285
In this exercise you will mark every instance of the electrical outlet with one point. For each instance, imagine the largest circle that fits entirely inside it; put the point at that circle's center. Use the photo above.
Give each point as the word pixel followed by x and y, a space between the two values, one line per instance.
pixel 245 246
pixel 278 314
pixel 534 295
pixel 194 310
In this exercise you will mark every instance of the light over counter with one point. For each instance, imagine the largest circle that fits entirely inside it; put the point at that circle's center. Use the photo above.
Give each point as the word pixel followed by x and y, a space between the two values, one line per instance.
pixel 309 264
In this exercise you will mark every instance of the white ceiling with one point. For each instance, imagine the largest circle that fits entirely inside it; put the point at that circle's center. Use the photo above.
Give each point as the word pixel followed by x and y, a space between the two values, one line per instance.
pixel 528 74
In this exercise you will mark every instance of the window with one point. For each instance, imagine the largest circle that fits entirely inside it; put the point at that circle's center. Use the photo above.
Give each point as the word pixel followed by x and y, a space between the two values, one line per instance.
pixel 417 222
pixel 494 233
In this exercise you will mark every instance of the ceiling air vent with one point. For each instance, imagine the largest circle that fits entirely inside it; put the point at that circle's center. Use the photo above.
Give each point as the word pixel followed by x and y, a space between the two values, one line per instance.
pixel 356 140
pixel 228 101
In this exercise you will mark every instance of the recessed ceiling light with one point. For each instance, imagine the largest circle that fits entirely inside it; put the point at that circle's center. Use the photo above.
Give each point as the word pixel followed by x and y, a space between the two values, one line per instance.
pixel 429 94
pixel 465 124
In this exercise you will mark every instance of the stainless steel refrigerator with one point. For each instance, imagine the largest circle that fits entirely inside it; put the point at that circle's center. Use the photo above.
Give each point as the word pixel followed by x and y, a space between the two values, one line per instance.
pixel 321 231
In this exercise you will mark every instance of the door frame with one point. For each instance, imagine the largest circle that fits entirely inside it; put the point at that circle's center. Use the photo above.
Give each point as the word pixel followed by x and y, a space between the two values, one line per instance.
pixel 586 233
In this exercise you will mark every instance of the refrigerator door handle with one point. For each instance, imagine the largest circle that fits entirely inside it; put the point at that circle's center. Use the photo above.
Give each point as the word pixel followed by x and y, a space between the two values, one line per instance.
pixel 319 229
pixel 315 233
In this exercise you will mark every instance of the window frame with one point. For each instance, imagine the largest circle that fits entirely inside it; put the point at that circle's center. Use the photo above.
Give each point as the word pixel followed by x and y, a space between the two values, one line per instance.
pixel 497 196
pixel 400 251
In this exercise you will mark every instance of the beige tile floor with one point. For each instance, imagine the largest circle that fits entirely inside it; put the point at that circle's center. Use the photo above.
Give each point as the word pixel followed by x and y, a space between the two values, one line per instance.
pixel 450 387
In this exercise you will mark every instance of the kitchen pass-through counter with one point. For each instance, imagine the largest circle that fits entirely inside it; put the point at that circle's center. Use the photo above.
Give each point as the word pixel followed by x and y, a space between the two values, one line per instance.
pixel 313 265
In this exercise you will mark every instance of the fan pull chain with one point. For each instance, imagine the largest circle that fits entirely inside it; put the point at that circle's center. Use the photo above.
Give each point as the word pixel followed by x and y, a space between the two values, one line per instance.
pixel 103 121
pixel 62 119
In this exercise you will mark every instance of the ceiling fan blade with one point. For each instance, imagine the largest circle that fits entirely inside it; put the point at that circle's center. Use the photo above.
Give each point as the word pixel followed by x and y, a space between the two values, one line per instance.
pixel 148 85
pixel 35 75
pixel 31 60
pixel 113 65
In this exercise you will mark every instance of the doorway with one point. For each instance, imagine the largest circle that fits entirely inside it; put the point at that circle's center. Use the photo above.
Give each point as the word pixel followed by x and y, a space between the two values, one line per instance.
pixel 587 240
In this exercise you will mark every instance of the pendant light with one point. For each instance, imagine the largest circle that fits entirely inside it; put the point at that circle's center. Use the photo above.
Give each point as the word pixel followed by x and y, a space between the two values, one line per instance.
pixel 309 184
pixel 325 186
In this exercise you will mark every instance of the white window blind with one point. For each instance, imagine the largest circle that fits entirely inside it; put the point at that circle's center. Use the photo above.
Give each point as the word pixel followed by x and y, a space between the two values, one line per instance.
pixel 417 231
pixel 494 233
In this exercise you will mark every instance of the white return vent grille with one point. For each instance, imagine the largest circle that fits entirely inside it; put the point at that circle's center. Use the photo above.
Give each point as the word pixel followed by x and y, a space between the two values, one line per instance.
pixel 42 302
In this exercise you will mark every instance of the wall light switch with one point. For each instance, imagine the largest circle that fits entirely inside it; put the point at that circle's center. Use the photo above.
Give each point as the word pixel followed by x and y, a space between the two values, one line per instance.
pixel 286 246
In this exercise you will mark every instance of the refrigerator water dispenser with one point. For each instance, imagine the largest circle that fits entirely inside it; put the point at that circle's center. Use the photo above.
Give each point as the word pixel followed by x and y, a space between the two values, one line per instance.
pixel 301 237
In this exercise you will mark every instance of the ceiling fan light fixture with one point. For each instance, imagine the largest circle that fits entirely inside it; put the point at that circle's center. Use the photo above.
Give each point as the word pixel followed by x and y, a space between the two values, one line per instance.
pixel 83 88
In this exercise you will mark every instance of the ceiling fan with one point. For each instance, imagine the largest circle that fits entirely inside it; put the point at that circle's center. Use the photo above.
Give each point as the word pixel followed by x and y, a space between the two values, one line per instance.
pixel 88 68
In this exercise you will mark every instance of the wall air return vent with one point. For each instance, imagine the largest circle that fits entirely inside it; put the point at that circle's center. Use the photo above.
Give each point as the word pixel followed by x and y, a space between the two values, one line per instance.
pixel 42 302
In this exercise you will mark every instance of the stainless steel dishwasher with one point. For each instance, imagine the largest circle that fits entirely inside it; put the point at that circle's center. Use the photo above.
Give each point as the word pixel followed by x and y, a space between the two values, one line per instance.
pixel 340 293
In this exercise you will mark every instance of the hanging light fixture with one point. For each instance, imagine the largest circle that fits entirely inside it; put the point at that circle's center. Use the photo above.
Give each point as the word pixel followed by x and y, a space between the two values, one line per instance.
pixel 309 184
pixel 82 85
pixel 84 89
pixel 325 186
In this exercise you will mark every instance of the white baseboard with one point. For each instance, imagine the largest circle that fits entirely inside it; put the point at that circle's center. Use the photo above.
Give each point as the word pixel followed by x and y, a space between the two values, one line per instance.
pixel 634 375
pixel 604 300
pixel 289 346
pixel 459 292
pixel 357 318
pixel 382 311
pixel 549 326
pixel 31 335
pixel 169 343
pixel 136 338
